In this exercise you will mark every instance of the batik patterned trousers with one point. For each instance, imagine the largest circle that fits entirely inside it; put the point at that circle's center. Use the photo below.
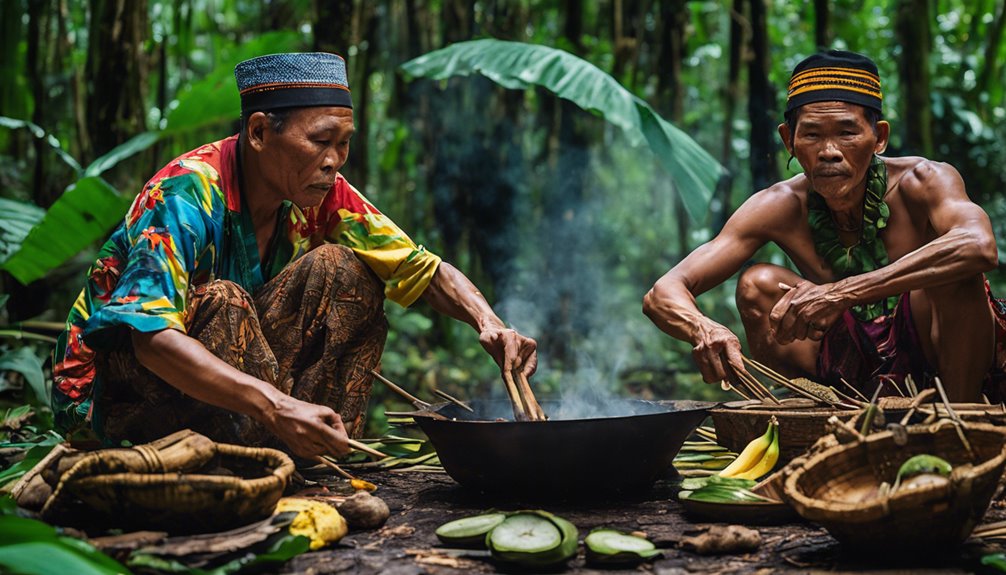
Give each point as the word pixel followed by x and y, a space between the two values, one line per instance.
pixel 314 331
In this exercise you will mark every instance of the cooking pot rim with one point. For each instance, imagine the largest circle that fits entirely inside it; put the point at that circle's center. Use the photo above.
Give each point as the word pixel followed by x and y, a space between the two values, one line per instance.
pixel 691 406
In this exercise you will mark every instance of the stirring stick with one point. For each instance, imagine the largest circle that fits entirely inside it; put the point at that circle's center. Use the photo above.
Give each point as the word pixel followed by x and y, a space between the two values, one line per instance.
pixel 752 381
pixel 728 387
pixel 511 389
pixel 533 408
pixel 453 400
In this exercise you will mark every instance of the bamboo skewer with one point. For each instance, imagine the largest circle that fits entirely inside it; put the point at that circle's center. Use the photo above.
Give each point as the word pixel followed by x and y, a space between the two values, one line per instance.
pixel 415 401
pixel 755 386
pixel 854 390
pixel 958 423
pixel 726 386
pixel 329 463
pixel 533 408
pixel 366 449
pixel 454 400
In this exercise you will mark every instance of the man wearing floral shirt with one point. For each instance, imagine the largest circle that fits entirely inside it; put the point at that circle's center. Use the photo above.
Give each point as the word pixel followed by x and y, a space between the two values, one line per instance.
pixel 243 294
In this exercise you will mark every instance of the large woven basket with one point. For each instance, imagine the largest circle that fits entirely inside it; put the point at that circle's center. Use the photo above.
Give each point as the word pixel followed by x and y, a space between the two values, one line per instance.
pixel 837 488
pixel 737 423
pixel 189 485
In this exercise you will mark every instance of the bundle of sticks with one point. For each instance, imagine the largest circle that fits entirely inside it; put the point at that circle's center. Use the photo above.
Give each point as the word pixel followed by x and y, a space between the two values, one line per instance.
pixel 525 406
pixel 748 387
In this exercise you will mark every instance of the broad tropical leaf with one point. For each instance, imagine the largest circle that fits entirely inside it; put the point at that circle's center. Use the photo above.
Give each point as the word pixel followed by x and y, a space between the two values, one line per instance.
pixel 518 66
pixel 85 212
pixel 132 146
pixel 24 361
pixel 16 220
pixel 29 546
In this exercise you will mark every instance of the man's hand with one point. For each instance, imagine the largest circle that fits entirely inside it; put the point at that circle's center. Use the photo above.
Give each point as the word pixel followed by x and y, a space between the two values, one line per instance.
pixel 718 353
pixel 805 311
pixel 309 430
pixel 510 349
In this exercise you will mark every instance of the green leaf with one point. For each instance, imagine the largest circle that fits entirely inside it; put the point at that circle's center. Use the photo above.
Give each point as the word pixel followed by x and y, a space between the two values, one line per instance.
pixel 34 548
pixel 997 560
pixel 85 213
pixel 133 146
pixel 15 124
pixel 518 66
pixel 16 220
pixel 24 361
pixel 214 99
pixel 31 458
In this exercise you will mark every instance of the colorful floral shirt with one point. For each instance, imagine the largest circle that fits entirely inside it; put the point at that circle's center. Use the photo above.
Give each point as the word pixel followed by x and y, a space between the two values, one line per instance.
pixel 186 228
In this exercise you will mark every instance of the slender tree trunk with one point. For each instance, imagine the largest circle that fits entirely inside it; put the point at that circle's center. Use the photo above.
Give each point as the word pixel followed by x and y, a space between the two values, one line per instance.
pixel 993 43
pixel 912 29
pixel 36 79
pixel 761 103
pixel 731 92
pixel 822 25
pixel 116 72
pixel 675 16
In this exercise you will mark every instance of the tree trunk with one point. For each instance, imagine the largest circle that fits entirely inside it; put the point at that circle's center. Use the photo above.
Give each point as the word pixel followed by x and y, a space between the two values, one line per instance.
pixel 116 73
pixel 990 66
pixel 675 16
pixel 36 80
pixel 822 26
pixel 913 33
pixel 731 92
pixel 761 103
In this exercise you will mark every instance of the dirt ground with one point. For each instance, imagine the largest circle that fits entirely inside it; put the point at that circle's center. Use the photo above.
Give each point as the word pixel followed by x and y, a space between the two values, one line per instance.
pixel 420 502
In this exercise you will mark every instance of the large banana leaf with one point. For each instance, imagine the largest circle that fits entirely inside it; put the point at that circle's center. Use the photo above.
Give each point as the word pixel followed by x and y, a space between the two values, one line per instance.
pixel 84 213
pixel 16 220
pixel 518 66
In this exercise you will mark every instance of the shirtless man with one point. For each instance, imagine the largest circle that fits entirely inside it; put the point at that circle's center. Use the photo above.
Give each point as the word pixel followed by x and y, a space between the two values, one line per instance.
pixel 889 252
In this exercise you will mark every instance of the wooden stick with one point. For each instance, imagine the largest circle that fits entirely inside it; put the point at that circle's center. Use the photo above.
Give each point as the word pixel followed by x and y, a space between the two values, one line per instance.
pixel 752 385
pixel 854 390
pixel 411 398
pixel 726 386
pixel 844 397
pixel 454 400
pixel 366 449
pixel 910 384
pixel 325 461
pixel 958 423
pixel 511 389
pixel 533 408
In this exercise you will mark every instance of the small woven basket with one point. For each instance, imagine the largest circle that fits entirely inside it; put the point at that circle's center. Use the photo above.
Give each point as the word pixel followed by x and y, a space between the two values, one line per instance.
pixel 189 485
pixel 838 488
pixel 736 425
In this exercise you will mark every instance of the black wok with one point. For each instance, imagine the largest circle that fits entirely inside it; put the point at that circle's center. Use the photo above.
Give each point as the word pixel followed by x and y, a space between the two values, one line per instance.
pixel 566 458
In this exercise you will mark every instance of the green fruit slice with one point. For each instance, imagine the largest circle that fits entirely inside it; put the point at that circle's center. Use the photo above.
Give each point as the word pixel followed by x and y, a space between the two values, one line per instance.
pixel 533 538
pixel 469 530
pixel 610 547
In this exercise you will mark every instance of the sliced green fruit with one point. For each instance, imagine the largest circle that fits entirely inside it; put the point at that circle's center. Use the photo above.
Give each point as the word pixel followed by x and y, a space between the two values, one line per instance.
pixel 533 539
pixel 469 530
pixel 611 547
pixel 695 483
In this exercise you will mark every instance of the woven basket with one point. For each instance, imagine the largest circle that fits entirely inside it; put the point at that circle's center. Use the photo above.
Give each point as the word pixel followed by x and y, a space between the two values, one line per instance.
pixel 837 488
pixel 189 485
pixel 798 428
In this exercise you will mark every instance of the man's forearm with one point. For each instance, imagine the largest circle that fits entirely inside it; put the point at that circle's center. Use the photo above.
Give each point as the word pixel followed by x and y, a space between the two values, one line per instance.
pixel 957 254
pixel 185 364
pixel 454 295
pixel 672 308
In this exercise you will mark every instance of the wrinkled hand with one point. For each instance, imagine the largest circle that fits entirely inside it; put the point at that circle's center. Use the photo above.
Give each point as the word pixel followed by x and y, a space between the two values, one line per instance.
pixel 309 430
pixel 805 311
pixel 510 349
pixel 718 354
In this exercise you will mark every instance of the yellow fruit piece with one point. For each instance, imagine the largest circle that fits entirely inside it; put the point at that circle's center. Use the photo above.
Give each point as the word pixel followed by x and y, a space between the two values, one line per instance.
pixel 752 453
pixel 319 522
pixel 766 463
pixel 359 484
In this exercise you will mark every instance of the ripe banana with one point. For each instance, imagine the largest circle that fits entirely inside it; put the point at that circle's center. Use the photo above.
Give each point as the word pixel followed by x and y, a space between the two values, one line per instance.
pixel 754 452
pixel 767 462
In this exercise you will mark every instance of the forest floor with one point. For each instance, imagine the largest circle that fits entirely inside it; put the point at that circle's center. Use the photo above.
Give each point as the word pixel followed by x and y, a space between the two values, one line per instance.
pixel 420 502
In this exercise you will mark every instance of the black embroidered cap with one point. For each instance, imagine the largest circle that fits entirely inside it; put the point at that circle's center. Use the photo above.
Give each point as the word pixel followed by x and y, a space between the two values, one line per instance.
pixel 835 76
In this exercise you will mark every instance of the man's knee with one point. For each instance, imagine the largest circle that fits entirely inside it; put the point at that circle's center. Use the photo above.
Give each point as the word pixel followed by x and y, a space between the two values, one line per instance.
pixel 349 273
pixel 758 288
pixel 215 295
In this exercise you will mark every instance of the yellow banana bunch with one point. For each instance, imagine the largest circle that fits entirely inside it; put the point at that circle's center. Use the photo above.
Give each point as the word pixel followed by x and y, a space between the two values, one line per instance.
pixel 758 457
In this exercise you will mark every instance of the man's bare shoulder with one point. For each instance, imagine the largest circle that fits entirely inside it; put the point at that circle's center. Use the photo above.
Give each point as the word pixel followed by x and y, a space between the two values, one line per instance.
pixel 914 175
pixel 770 209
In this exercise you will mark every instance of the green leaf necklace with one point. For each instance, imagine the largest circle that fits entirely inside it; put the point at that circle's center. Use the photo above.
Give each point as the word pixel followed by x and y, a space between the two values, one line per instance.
pixel 869 252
